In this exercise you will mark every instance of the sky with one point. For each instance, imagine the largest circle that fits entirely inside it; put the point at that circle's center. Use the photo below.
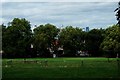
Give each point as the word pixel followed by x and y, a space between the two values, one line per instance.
pixel 61 14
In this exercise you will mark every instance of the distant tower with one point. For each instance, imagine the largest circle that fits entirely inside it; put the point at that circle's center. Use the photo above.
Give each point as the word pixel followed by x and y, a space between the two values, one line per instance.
pixel 87 29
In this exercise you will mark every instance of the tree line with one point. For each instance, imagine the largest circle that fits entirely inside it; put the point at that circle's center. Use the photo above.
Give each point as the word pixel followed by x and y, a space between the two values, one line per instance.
pixel 18 40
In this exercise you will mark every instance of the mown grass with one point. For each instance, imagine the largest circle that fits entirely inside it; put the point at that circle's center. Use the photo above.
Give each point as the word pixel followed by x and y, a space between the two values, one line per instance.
pixel 56 68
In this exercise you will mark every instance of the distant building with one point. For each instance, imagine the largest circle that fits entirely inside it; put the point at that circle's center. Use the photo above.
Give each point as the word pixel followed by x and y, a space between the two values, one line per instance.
pixel 87 29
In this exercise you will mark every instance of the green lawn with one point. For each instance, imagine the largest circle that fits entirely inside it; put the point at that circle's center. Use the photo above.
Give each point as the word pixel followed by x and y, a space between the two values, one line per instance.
pixel 65 68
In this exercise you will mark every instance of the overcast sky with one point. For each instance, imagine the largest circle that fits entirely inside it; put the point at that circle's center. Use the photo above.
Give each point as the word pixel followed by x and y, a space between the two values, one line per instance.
pixel 77 14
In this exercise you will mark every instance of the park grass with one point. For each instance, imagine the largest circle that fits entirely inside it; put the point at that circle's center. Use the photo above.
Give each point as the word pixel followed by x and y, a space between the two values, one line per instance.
pixel 57 68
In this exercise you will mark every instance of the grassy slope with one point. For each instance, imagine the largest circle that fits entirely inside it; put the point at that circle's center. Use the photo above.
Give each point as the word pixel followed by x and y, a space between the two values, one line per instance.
pixel 61 68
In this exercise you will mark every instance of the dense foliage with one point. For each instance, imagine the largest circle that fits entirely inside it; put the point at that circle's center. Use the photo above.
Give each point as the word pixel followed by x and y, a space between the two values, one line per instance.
pixel 117 10
pixel 18 37
pixel 111 42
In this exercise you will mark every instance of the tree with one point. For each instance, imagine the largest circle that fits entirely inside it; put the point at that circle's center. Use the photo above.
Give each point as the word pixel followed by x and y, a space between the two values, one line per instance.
pixel 118 13
pixel 111 43
pixel 3 40
pixel 1 28
pixel 16 38
pixel 44 37
pixel 93 40
pixel 72 40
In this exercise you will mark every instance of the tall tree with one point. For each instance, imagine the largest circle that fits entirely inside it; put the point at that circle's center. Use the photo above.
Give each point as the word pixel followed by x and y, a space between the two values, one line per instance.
pixel 17 38
pixel 2 27
pixel 111 43
pixel 3 40
pixel 93 40
pixel 44 36
pixel 72 40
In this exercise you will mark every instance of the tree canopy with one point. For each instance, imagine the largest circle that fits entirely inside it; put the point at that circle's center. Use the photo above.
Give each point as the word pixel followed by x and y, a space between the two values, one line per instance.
pixel 111 41
pixel 18 37
pixel 44 37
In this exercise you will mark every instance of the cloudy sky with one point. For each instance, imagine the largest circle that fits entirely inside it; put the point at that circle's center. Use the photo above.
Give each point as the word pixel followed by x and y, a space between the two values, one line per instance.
pixel 77 14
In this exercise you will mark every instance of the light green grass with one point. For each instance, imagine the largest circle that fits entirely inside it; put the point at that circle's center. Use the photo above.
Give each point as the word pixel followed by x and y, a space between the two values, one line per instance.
pixel 61 68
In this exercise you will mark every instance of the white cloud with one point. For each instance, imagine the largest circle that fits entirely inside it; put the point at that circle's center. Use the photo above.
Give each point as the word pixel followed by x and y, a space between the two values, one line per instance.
pixel 60 0
pixel 94 14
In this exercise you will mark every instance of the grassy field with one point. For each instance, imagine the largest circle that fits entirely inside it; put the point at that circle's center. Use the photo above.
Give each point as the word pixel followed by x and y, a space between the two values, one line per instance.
pixel 57 68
